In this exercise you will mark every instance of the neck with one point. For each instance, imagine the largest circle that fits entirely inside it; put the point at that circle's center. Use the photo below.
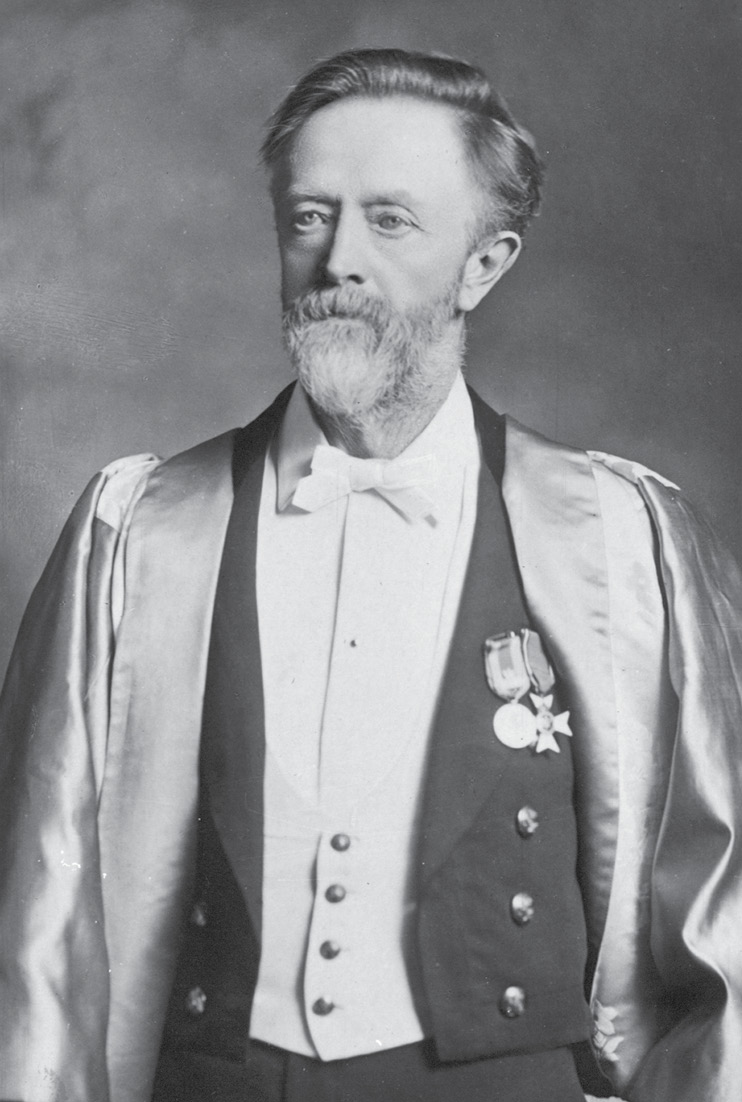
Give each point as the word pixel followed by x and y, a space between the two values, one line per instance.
pixel 384 431
pixel 382 434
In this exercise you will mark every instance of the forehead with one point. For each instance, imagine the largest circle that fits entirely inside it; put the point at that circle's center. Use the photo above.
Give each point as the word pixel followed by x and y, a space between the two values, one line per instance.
pixel 397 143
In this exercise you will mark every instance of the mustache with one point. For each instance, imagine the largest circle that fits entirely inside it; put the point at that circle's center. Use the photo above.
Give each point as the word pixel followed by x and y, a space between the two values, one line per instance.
pixel 337 302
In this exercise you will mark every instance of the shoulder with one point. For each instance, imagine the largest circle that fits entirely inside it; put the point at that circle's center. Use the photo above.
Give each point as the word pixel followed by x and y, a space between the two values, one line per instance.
pixel 121 482
pixel 616 480
pixel 197 471
pixel 623 485
pixel 627 469
pixel 682 528
pixel 635 504
pixel 193 473
pixel 626 509
pixel 629 479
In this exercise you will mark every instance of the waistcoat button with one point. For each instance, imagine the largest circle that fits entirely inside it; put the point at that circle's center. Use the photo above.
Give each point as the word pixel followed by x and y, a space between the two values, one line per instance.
pixel 329 949
pixel 322 1007
pixel 521 908
pixel 340 842
pixel 513 1002
pixel 199 914
pixel 335 893
pixel 195 1001
pixel 526 822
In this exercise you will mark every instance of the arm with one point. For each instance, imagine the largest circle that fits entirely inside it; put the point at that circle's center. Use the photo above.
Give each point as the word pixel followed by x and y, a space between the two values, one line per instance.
pixel 53 959
pixel 670 964
pixel 696 901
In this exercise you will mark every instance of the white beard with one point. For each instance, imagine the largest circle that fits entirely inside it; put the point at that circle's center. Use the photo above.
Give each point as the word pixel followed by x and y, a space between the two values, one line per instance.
pixel 358 358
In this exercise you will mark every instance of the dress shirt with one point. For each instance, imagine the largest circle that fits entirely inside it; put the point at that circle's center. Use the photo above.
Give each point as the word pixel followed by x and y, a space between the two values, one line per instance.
pixel 357 606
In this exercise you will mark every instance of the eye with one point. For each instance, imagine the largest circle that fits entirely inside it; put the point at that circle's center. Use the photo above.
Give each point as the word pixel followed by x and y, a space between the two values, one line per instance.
pixel 310 219
pixel 392 221
pixel 392 224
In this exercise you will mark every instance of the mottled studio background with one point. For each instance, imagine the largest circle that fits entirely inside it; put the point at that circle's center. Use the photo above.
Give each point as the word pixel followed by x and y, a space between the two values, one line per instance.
pixel 139 281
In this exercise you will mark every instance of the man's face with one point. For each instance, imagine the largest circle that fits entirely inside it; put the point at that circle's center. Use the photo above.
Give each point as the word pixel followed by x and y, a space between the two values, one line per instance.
pixel 376 194
pixel 374 208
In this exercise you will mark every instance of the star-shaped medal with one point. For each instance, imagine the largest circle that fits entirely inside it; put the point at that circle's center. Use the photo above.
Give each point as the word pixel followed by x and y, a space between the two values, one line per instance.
pixel 547 724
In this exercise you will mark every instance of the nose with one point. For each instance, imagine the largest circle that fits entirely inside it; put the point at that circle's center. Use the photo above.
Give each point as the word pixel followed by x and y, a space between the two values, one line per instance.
pixel 346 260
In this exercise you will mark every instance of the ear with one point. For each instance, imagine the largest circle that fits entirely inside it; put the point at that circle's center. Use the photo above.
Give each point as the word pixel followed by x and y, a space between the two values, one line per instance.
pixel 489 261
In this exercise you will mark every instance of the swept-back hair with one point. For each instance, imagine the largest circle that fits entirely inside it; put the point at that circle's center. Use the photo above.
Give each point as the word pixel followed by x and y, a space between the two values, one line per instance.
pixel 501 154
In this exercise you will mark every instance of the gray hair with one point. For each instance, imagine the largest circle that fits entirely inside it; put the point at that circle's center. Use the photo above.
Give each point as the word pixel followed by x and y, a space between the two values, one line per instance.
pixel 502 155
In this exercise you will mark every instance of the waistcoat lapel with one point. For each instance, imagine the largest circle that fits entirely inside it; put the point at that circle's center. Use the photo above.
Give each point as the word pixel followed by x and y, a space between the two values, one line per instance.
pixel 233 746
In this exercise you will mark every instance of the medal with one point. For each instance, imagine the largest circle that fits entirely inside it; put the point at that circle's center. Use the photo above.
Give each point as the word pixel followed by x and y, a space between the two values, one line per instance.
pixel 547 724
pixel 515 726
pixel 508 677
pixel 540 673
pixel 504 664
pixel 515 662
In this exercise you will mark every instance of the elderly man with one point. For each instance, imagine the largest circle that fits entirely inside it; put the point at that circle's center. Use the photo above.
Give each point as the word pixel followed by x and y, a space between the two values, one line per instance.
pixel 381 749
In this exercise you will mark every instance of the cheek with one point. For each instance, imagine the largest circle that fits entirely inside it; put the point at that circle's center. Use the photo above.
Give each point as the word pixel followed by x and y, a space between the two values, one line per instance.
pixel 428 280
pixel 298 265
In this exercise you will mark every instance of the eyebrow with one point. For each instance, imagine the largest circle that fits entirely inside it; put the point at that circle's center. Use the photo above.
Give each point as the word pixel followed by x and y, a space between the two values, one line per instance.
pixel 400 198
pixel 393 199
pixel 306 197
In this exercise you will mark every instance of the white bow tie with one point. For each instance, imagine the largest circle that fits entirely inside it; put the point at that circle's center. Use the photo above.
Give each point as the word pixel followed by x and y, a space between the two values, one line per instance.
pixel 400 481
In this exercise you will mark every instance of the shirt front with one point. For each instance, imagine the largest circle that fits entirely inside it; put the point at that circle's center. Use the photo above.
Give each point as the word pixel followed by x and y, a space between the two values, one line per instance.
pixel 356 606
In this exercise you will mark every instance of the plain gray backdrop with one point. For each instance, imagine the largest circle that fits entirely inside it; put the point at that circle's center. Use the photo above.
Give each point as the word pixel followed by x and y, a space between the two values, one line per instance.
pixel 139 282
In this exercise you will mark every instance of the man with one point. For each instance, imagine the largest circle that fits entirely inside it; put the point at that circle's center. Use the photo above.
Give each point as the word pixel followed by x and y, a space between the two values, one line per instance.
pixel 346 752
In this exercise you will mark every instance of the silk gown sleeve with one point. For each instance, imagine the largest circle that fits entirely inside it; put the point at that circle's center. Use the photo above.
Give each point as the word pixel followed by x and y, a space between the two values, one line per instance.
pixel 667 995
pixel 642 609
pixel 696 899
pixel 54 968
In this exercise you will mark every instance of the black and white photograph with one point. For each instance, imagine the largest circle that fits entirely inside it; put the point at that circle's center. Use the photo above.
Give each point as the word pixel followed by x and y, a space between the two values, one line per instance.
pixel 370 530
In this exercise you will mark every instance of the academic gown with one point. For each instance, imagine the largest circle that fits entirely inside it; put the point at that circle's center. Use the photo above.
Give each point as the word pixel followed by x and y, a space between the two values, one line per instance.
pixel 639 607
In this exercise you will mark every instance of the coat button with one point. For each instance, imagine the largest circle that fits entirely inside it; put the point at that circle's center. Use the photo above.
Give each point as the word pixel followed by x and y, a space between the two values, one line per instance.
pixel 335 893
pixel 521 908
pixel 199 914
pixel 340 842
pixel 322 1007
pixel 195 1001
pixel 329 950
pixel 513 1002
pixel 526 822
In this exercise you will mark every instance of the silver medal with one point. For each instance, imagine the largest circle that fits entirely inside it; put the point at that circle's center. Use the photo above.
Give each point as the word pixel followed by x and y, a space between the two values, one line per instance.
pixel 515 726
